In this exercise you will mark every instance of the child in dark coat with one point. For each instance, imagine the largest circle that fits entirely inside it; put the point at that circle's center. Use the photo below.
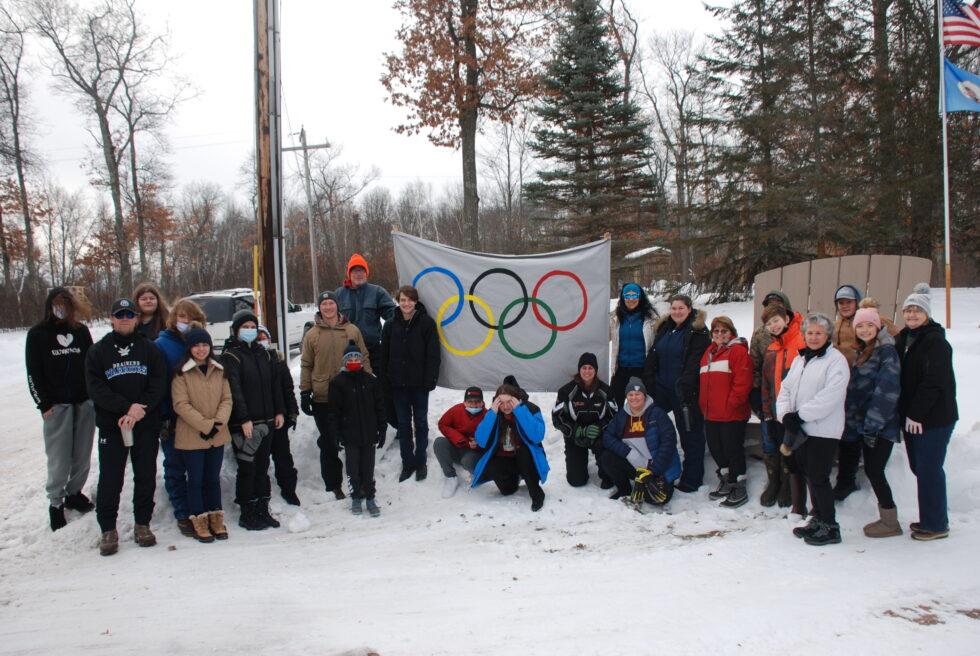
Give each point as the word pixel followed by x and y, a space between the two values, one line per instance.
pixel 355 415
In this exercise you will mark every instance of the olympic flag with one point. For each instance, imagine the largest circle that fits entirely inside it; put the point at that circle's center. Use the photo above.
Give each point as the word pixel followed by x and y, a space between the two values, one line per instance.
pixel 527 315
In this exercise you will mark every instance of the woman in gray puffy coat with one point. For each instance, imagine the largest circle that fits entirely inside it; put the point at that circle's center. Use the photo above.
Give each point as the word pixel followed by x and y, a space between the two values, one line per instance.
pixel 871 411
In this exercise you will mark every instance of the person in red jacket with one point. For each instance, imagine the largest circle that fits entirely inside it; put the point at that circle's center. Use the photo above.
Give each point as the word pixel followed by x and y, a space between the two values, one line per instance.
pixel 726 380
pixel 458 442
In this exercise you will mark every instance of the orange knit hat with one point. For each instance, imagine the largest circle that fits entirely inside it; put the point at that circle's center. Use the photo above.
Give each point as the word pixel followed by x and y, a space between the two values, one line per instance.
pixel 357 260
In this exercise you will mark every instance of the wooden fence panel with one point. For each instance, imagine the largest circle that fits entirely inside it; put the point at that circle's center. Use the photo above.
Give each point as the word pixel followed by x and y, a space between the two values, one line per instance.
pixel 883 282
pixel 765 282
pixel 796 285
pixel 823 283
pixel 914 270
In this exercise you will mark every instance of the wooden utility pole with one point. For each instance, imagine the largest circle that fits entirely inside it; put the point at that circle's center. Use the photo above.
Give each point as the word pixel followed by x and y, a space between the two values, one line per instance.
pixel 309 202
pixel 268 160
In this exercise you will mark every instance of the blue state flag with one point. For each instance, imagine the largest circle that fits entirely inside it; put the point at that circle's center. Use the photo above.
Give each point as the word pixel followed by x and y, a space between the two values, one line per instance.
pixel 962 89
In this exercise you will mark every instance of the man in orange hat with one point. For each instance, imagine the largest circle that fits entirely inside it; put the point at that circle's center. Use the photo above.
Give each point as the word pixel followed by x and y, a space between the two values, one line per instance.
pixel 365 304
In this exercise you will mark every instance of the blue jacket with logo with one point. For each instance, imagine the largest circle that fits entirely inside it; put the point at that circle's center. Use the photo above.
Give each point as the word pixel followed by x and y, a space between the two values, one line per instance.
pixel 530 426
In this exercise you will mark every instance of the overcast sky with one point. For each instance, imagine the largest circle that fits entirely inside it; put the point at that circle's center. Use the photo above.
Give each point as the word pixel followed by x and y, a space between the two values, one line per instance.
pixel 332 54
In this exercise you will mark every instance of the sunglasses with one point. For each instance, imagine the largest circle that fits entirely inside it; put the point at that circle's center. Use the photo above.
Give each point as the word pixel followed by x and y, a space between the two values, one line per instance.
pixel 632 296
pixel 124 315
pixel 720 331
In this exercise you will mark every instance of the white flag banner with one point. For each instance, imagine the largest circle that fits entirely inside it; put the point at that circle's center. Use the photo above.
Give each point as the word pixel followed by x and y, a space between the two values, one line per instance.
pixel 527 315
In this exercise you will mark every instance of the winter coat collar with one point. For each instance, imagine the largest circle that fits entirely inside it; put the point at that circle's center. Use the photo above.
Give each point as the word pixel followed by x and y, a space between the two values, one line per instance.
pixel 190 364
pixel 809 353
pixel 735 341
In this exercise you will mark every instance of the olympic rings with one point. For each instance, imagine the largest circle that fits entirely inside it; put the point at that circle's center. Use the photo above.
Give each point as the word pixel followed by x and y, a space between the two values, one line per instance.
pixel 524 298
pixel 536 354
pixel 585 301
pixel 459 288
pixel 439 325
pixel 460 298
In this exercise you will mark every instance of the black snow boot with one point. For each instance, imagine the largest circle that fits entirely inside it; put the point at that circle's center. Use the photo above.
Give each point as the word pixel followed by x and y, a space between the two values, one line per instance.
pixel 737 496
pixel 824 535
pixel 785 496
pixel 289 496
pixel 57 516
pixel 263 513
pixel 250 520
pixel 79 502
pixel 724 486
pixel 844 488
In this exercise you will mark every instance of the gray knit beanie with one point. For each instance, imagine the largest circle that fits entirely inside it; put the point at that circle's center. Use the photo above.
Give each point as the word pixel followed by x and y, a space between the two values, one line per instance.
pixel 919 298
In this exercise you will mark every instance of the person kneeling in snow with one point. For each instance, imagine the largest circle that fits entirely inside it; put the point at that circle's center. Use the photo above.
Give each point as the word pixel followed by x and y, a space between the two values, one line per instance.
pixel 355 417
pixel 641 439
pixel 511 432
pixel 458 442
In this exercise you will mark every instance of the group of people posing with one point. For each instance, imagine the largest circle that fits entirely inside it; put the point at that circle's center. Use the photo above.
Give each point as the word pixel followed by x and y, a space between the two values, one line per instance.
pixel 822 390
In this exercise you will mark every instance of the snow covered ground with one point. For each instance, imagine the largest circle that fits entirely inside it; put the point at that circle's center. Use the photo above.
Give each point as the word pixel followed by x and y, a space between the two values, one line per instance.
pixel 481 574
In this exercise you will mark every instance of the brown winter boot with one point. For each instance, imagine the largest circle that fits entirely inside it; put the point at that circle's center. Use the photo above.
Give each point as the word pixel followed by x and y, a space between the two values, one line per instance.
pixel 201 532
pixel 144 536
pixel 797 487
pixel 887 526
pixel 785 496
pixel 216 519
pixel 109 544
pixel 772 462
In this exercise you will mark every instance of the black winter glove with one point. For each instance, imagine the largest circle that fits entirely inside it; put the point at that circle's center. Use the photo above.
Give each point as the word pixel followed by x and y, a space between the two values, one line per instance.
pixel 306 402
pixel 210 434
pixel 339 441
pixel 430 386
pixel 792 422
pixel 686 414
pixel 290 422
pixel 381 438
pixel 870 440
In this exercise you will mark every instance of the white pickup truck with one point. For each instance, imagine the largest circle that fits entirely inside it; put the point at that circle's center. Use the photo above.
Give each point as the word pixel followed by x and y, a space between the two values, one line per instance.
pixel 220 306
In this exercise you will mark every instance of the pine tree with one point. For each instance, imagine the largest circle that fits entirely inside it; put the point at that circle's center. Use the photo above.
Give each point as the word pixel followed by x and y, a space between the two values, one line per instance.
pixel 594 141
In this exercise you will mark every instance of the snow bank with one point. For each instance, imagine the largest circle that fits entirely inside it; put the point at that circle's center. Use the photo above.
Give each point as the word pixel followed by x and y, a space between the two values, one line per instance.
pixel 481 574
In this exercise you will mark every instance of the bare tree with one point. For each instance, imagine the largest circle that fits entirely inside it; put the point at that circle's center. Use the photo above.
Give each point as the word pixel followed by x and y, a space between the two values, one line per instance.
pixel 97 52
pixel 67 227
pixel 12 151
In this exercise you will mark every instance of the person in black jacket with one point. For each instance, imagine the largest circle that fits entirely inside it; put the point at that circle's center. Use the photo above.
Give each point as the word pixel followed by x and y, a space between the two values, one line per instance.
pixel 355 415
pixel 582 409
pixel 282 458
pixel 672 372
pixel 410 358
pixel 927 408
pixel 55 353
pixel 258 409
pixel 126 376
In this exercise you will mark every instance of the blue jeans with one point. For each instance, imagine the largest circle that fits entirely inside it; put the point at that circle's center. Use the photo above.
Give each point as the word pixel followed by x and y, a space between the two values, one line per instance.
pixel 412 406
pixel 174 473
pixel 927 453
pixel 769 447
pixel 692 442
pixel 203 478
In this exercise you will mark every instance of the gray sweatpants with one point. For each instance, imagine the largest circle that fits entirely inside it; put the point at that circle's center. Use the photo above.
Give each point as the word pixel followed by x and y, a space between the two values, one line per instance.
pixel 68 436
pixel 448 454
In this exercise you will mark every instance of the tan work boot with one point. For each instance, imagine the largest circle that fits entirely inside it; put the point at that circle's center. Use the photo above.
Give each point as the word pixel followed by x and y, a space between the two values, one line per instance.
pixel 216 521
pixel 144 536
pixel 109 544
pixel 201 532
pixel 885 527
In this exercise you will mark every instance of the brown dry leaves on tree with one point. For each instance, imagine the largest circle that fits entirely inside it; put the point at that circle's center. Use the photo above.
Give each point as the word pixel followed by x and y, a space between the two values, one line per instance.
pixel 461 55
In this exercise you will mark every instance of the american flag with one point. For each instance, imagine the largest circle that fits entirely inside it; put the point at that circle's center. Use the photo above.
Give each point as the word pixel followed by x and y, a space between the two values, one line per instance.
pixel 961 24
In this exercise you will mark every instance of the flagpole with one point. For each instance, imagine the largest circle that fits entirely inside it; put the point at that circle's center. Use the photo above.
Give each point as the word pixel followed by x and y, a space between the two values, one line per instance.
pixel 942 110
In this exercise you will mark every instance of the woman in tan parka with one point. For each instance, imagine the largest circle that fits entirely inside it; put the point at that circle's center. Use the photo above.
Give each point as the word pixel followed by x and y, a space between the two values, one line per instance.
pixel 202 401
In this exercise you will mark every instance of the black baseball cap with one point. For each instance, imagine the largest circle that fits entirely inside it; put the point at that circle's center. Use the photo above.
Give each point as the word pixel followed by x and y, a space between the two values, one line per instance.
pixel 473 394
pixel 122 305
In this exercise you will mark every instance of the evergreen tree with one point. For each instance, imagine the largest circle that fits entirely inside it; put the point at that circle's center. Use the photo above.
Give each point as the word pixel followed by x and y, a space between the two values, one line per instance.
pixel 594 141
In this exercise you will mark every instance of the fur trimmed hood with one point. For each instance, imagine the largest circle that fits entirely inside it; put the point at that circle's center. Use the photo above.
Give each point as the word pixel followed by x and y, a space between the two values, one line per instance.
pixel 699 322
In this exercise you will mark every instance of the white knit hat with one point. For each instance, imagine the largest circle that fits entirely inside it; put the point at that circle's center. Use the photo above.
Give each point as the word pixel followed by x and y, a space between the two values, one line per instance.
pixel 919 298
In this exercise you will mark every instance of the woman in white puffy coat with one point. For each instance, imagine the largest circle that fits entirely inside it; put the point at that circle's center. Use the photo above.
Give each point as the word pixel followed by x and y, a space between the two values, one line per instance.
pixel 810 406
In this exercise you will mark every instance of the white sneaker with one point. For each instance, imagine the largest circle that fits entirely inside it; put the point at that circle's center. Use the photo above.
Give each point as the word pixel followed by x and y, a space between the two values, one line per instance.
pixel 449 487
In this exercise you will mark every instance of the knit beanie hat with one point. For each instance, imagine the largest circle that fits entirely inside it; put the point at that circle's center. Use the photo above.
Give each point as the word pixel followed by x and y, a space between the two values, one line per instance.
pixel 868 311
pixel 197 336
pixel 635 385
pixel 919 298
pixel 588 359
pixel 356 260
pixel 241 317
pixel 352 351
pixel 632 288
pixel 324 296
pixel 265 331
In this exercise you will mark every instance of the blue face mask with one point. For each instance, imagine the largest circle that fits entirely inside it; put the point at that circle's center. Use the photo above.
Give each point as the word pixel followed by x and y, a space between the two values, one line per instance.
pixel 474 411
pixel 248 335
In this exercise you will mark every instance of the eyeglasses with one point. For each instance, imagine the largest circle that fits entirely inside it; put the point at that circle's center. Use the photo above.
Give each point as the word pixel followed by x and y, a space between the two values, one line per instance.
pixel 720 331
pixel 632 296
pixel 124 315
